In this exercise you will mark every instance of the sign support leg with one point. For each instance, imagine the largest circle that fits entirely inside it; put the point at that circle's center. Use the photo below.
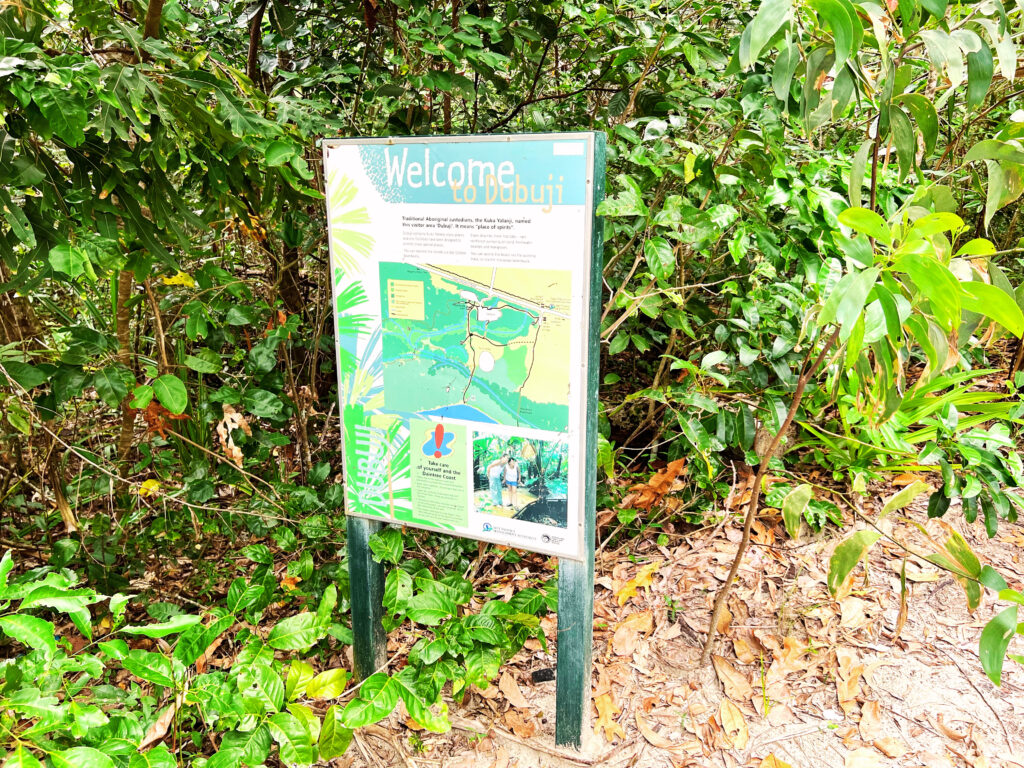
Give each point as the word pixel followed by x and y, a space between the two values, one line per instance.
pixel 366 585
pixel 575 646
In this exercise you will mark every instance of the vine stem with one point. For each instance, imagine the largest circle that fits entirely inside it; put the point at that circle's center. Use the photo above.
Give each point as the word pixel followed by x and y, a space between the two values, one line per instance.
pixel 755 497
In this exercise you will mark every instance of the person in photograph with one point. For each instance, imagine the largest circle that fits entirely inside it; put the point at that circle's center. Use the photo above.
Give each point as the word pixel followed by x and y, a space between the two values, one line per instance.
pixel 495 471
pixel 512 481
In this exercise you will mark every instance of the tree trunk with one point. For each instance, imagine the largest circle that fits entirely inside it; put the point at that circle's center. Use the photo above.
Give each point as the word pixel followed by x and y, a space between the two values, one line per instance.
pixel 125 282
pixel 252 62
pixel 17 320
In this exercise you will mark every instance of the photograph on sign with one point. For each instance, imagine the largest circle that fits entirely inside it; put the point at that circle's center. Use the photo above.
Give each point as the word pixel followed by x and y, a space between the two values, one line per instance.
pixel 461 269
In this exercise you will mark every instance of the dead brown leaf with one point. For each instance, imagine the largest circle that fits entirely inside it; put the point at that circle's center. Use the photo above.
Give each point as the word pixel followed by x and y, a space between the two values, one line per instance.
pixel 771 761
pixel 734 725
pixel 628 632
pixel 735 683
pixel 891 747
pixel 508 686
pixel 870 721
pixel 864 758
pixel 644 578
pixel 522 726
pixel 607 709
pixel 654 738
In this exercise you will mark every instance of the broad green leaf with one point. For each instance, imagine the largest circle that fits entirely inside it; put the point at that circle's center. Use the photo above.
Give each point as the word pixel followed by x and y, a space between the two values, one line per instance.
pixel 857 169
pixel 419 709
pixel 793 507
pixel 70 260
pixel 660 257
pixel 771 15
pixel 30 631
pixel 935 284
pixel 980 66
pixel 263 684
pixel 846 302
pixel 904 139
pixel 430 608
pixel 280 152
pixel 171 626
pixel 110 386
pixel 334 736
pixel 142 396
pixel 846 556
pixel 328 685
pixel 149 666
pixel 65 112
pixel 993 149
pixel 253 746
pixel 26 375
pixel 387 545
pixel 925 116
pixel 171 393
pixel 21 757
pixel 868 222
pixel 204 361
pixel 992 302
pixel 299 675
pixel 995 639
pixel 835 14
pixel 784 70
pixel 376 700
pixel 81 757
pixel 296 633
pixel 157 757
pixel 904 496
pixel 293 740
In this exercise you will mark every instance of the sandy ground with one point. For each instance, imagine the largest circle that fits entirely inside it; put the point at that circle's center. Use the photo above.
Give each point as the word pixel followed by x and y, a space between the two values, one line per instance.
pixel 799 678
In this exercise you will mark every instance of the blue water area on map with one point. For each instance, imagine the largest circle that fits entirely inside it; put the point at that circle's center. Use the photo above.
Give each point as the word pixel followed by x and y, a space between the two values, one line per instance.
pixel 459 411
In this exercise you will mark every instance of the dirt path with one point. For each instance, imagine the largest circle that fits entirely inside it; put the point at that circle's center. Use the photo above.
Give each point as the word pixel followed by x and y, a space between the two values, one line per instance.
pixel 800 679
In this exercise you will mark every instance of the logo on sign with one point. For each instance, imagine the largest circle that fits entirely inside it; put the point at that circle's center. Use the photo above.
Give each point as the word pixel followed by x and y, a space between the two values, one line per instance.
pixel 439 443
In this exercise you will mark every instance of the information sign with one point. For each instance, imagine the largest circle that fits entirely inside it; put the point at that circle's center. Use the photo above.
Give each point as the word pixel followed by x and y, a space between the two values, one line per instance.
pixel 464 283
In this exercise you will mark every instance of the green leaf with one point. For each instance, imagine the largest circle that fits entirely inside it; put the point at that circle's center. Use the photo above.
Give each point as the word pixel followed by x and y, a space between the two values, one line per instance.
pixel 334 736
pixel 769 18
pixel 936 284
pixel 254 745
pixel 846 556
pixel 296 633
pixel 660 258
pixel 152 667
pixel 376 700
pixel 172 626
pixel 328 685
pixel 157 757
pixel 68 259
pixel 204 361
pixel 904 496
pixel 387 545
pixel 263 684
pixel 171 393
pixel 64 111
pixel 993 149
pixel 418 708
pixel 280 152
pixel 793 507
pixel 846 302
pixel 904 139
pixel 857 169
pixel 26 375
pixel 109 383
pixel 980 68
pixel 81 757
pixel 293 740
pixel 924 115
pixel 430 608
pixel 836 15
pixel 30 631
pixel 20 757
pixel 299 675
pixel 868 222
pixel 142 396
pixel 992 302
pixel 995 639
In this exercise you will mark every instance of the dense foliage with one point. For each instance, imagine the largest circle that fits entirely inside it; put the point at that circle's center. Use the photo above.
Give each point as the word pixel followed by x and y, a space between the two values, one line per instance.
pixel 811 259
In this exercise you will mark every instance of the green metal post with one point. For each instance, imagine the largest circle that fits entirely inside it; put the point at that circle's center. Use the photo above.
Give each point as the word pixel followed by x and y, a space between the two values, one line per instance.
pixel 576 578
pixel 366 587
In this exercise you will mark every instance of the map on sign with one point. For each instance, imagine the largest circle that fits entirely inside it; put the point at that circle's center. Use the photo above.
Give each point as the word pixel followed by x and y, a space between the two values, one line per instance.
pixel 483 344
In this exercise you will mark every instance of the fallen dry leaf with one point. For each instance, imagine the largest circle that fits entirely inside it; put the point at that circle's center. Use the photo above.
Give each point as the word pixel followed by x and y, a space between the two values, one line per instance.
pixel 891 747
pixel 508 686
pixel 607 709
pixel 744 651
pixel 523 727
pixel 870 721
pixel 627 633
pixel 734 725
pixel 735 683
pixel 864 758
pixel 656 739
pixel 771 761
pixel 644 578
pixel 949 732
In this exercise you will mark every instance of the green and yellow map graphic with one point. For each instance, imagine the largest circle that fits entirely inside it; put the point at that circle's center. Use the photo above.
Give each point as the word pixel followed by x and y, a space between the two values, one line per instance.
pixel 483 344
